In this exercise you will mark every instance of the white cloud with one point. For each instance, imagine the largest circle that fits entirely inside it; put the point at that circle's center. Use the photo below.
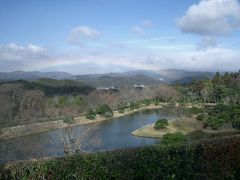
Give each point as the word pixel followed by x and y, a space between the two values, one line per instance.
pixel 163 38
pixel 14 57
pixel 77 34
pixel 207 42
pixel 211 17
pixel 138 31
pixel 35 48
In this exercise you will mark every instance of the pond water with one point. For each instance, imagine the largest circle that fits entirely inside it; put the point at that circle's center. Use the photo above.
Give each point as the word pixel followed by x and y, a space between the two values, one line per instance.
pixel 107 135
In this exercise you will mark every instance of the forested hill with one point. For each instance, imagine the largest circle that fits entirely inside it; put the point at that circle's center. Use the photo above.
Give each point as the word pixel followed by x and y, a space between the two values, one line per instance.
pixel 52 87
pixel 222 88
pixel 33 75
pixel 112 79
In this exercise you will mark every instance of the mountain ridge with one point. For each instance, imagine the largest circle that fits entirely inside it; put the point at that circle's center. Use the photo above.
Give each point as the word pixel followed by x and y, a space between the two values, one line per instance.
pixel 136 76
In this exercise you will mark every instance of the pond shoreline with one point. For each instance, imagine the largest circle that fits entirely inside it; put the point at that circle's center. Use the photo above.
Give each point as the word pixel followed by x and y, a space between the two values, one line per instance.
pixel 188 125
pixel 25 130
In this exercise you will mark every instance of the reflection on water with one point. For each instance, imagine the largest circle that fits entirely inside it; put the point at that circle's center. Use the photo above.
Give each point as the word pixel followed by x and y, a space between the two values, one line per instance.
pixel 107 135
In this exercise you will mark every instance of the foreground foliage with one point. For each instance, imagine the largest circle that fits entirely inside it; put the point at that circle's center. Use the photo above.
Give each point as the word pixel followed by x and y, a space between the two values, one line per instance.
pixel 212 159
pixel 173 138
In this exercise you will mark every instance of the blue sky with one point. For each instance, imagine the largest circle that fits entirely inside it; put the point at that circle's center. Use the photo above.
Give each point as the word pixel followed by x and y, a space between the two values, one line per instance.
pixel 98 36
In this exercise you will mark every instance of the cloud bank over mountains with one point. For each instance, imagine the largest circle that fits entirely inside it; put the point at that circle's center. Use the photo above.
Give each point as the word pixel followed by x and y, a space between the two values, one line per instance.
pixel 208 20
pixel 32 57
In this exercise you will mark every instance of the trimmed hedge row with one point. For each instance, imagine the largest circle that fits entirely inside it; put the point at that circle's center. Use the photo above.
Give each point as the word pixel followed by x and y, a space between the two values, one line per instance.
pixel 212 159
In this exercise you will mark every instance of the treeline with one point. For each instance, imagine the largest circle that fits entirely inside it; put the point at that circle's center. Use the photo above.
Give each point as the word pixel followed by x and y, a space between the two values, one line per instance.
pixel 20 106
pixel 224 91
pixel 24 102
pixel 221 116
pixel 220 89
pixel 52 87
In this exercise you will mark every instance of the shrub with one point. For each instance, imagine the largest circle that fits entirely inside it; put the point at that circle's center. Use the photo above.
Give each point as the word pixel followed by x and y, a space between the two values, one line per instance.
pixel 146 102
pixel 200 117
pixel 195 110
pixel 214 122
pixel 121 108
pixel 68 120
pixel 161 124
pixel 134 105
pixel 173 138
pixel 91 114
pixel 156 103
pixel 104 110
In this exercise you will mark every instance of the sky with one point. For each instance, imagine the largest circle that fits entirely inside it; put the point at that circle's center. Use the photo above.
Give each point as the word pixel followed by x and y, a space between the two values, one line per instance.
pixel 100 36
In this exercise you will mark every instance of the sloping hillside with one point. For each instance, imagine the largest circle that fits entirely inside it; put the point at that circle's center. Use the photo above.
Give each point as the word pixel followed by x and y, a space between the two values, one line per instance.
pixel 118 81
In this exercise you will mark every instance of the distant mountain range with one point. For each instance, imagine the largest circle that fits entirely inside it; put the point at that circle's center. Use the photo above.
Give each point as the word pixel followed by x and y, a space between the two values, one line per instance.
pixel 146 77
pixel 33 75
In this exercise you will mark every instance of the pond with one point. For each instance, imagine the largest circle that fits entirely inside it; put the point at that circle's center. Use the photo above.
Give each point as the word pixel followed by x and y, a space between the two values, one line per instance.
pixel 107 135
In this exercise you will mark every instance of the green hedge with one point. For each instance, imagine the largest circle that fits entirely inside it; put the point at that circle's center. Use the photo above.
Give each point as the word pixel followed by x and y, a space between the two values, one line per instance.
pixel 212 159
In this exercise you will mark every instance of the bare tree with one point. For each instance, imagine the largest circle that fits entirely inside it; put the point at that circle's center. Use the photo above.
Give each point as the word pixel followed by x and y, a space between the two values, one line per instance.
pixel 71 139
pixel 178 111
pixel 32 106
pixel 10 96
pixel 11 92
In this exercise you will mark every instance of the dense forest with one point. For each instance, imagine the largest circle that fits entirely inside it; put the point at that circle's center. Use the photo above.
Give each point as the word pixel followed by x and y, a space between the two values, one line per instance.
pixel 220 89
pixel 223 90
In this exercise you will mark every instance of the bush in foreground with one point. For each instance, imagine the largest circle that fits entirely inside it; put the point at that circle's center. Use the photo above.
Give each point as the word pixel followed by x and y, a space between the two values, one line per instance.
pixel 212 159
pixel 173 138
pixel 161 124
